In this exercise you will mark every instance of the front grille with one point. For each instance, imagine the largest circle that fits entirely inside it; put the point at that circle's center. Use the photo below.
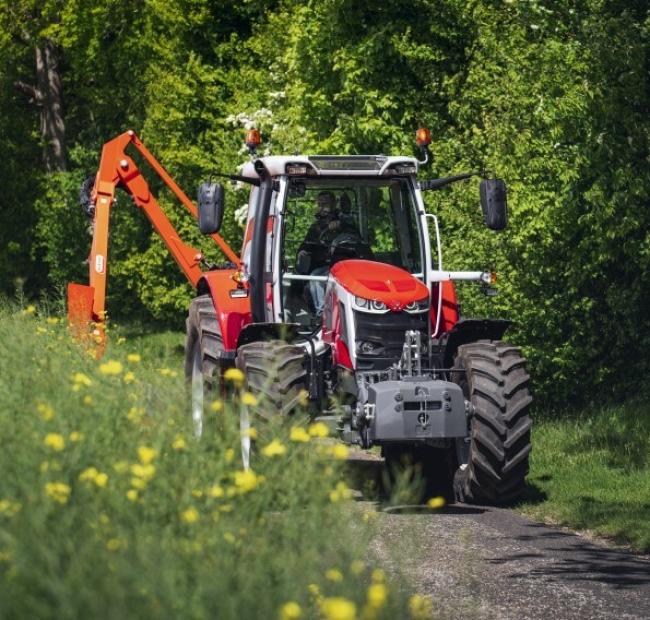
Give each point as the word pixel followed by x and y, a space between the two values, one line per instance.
pixel 386 331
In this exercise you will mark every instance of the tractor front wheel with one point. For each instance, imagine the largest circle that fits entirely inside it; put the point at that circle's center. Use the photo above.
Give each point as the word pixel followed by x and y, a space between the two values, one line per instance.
pixel 493 466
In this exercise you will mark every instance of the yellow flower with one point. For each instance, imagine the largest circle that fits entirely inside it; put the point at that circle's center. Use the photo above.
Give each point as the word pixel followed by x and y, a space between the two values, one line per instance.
pixel 275 448
pixel 41 330
pixel 378 576
pixel 9 508
pixel 314 590
pixel 166 372
pixel 54 441
pixel 76 436
pixel 133 357
pixel 135 414
pixel 115 544
pixel 88 475
pixel 298 433
pixel 250 432
pixel 88 400
pixel 290 611
pixel 340 492
pixel 178 443
pixel 339 451
pixel 52 320
pixel 246 480
pixel 30 309
pixel 338 608
pixel 138 483
pixel 229 537
pixel 436 502
pixel 249 399
pixel 377 594
pixel 235 375
pixel 132 495
pixel 58 491
pixel 80 379
pixel 129 377
pixel 47 413
pixel 197 493
pixel 319 429
pixel 146 455
pixel 229 455
pixel 303 397
pixel 215 491
pixel 101 480
pixel 420 607
pixel 216 405
pixel 334 574
pixel 191 515
pixel 110 368
pixel 146 472
pixel 121 467
pixel 357 567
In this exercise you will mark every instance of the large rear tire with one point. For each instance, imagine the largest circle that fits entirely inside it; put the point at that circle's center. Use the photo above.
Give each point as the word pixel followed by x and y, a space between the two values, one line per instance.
pixel 203 346
pixel 495 381
pixel 275 372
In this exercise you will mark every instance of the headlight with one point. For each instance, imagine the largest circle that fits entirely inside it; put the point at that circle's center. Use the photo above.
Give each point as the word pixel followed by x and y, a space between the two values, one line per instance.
pixel 417 306
pixel 370 305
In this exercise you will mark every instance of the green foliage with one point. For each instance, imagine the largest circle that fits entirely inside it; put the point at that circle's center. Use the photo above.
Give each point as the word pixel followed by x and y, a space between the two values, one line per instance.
pixel 110 507
pixel 550 95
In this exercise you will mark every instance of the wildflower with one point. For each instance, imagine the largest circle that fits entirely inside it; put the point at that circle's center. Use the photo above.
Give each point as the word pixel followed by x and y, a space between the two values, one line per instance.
pixel 229 455
pixel 115 544
pixel 88 475
pixel 135 414
pixel 275 448
pixel 110 368
pixel 250 432
pixel 133 357
pixel 420 607
pixel 298 433
pixel 338 608
pixel 121 467
pixel 138 483
pixel 58 491
pixel 334 574
pixel 216 405
pixel 80 379
pixel 436 502
pixel 76 436
pixel 146 455
pixel 314 590
pixel 88 400
pixel 129 377
pixel 319 429
pixel 197 493
pixel 377 594
pixel 132 495
pixel 229 537
pixel 167 372
pixel 30 309
pixel 340 492
pixel 339 451
pixel 303 398
pixel 235 375
pixel 215 491
pixel 178 443
pixel 191 515
pixel 249 399
pixel 378 576
pixel 144 472
pixel 246 480
pixel 357 567
pixel 369 516
pixel 47 413
pixel 290 611
pixel 101 480
pixel 41 330
pixel 52 320
pixel 9 508
pixel 54 441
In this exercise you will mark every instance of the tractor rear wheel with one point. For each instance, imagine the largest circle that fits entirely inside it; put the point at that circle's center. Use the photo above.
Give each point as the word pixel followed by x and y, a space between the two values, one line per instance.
pixel 493 467
pixel 275 372
pixel 203 345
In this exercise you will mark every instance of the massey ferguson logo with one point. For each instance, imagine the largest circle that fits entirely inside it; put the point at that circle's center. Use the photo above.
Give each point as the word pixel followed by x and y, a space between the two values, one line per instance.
pixel 423 419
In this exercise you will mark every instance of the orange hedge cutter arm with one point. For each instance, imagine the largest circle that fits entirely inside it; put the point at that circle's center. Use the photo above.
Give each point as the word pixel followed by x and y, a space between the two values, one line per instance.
pixel 86 304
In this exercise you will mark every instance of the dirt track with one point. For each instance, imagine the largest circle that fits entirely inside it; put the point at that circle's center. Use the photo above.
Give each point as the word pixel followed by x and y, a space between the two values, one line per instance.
pixel 483 562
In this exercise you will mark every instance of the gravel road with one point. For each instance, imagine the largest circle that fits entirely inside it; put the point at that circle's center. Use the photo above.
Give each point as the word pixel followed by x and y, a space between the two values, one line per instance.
pixel 485 562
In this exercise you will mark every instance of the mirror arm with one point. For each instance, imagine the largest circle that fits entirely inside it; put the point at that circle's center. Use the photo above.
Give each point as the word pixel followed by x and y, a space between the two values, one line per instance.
pixel 432 184
pixel 236 177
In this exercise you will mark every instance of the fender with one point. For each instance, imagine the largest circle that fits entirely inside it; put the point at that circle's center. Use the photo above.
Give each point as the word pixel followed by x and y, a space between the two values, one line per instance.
pixel 465 331
pixel 233 313
pixel 255 332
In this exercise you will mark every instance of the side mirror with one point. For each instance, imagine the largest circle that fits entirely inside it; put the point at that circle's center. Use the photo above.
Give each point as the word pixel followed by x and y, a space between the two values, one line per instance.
pixel 494 203
pixel 211 205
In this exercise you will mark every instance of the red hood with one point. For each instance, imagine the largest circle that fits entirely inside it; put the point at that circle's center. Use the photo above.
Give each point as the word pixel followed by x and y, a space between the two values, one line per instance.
pixel 379 282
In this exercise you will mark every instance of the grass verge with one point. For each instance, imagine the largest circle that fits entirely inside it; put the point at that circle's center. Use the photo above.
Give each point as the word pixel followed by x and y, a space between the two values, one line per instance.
pixel 110 508
pixel 591 471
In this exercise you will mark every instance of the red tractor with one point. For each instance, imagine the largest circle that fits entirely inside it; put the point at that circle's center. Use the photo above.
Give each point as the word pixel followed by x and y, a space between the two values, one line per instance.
pixel 340 299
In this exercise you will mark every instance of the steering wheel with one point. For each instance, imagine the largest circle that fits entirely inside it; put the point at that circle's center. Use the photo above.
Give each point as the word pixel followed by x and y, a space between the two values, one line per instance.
pixel 349 245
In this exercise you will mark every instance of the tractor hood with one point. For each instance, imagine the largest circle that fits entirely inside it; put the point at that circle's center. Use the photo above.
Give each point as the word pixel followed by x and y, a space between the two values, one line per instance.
pixel 379 282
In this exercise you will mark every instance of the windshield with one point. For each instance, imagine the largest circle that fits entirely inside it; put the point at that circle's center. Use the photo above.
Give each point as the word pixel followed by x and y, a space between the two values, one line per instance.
pixel 328 220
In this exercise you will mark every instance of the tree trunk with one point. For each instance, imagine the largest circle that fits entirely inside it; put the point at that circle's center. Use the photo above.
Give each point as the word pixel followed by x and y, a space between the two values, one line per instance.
pixel 47 95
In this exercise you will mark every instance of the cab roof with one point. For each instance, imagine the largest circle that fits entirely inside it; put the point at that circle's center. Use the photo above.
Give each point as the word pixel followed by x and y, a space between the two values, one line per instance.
pixel 335 165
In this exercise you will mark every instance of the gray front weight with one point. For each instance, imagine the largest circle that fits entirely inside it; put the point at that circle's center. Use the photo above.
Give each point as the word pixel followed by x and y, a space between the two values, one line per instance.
pixel 415 408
